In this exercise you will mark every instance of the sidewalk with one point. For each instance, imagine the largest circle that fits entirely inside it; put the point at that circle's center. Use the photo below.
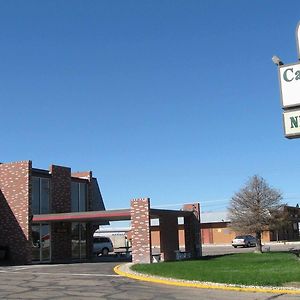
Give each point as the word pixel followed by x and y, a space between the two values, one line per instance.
pixel 124 270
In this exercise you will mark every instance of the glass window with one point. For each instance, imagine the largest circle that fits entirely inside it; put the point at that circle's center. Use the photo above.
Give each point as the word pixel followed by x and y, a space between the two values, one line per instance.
pixel 75 196
pixel 78 240
pixel 79 196
pixel 40 195
pixel 35 242
pixel 35 195
pixel 75 240
pixel 45 242
pixel 45 194
pixel 82 240
pixel 40 242
pixel 82 197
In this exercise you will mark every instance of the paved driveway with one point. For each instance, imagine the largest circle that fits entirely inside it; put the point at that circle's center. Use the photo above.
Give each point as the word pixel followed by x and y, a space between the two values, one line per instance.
pixel 98 281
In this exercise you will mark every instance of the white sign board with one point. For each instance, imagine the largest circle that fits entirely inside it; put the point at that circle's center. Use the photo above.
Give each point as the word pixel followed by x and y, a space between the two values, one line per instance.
pixel 289 79
pixel 291 122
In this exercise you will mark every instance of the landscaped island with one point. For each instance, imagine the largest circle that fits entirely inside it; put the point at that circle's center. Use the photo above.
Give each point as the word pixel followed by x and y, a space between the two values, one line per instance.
pixel 268 269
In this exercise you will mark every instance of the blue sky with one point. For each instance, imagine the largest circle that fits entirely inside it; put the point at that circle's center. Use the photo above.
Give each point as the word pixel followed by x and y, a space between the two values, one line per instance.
pixel 173 100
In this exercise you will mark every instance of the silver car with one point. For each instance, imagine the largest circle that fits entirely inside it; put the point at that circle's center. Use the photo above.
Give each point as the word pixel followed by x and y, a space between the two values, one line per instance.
pixel 102 245
pixel 244 241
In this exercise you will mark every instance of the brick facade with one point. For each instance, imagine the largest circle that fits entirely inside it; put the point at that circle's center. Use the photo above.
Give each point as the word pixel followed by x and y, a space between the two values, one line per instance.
pixel 140 228
pixel 15 195
pixel 170 236
pixel 16 216
pixel 192 231
pixel 169 241
pixel 61 179
pixel 60 203
pixel 60 189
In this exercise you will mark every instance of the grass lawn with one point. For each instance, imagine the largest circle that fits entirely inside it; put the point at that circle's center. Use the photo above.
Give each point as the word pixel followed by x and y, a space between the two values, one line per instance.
pixel 273 268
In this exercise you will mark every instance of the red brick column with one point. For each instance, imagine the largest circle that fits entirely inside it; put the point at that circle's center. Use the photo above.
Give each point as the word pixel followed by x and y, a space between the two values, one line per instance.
pixel 15 195
pixel 169 241
pixel 61 202
pixel 192 231
pixel 60 189
pixel 140 228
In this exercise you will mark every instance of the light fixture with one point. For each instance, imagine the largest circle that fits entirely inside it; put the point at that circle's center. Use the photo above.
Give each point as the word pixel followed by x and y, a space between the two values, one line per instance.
pixel 276 60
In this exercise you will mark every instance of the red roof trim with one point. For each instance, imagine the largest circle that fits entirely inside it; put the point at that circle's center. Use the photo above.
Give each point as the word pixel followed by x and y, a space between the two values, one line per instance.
pixel 84 216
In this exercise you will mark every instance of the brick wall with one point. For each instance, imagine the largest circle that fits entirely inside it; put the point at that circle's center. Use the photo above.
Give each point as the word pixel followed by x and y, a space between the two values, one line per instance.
pixel 192 230
pixel 60 203
pixel 169 241
pixel 140 229
pixel 155 236
pixel 15 195
pixel 60 189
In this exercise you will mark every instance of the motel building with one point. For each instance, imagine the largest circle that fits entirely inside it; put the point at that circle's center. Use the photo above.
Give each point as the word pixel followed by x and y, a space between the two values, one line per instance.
pixel 51 216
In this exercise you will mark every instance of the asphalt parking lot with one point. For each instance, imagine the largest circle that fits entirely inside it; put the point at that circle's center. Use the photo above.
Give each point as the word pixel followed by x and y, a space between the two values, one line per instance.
pixel 98 281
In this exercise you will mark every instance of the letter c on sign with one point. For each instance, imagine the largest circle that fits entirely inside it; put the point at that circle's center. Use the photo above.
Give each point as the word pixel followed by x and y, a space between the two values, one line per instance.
pixel 285 75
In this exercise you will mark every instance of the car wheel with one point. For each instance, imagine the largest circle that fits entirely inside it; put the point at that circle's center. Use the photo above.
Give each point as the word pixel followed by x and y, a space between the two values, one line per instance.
pixel 105 252
pixel 235 246
pixel 248 245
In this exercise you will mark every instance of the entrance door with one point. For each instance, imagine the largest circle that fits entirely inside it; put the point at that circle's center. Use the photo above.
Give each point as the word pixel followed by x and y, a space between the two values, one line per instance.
pixel 41 243
pixel 78 240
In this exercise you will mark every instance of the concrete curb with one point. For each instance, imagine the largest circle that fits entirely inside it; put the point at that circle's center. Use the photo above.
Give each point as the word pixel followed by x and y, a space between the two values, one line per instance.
pixel 124 270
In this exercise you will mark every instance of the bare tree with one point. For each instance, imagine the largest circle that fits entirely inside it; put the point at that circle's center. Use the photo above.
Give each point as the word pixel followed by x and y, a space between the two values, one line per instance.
pixel 252 207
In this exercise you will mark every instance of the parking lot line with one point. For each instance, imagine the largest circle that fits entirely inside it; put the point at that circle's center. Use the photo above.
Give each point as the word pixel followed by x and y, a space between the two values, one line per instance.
pixel 61 274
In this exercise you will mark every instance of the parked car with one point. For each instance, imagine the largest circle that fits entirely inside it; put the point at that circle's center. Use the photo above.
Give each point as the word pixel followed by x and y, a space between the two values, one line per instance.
pixel 102 245
pixel 244 241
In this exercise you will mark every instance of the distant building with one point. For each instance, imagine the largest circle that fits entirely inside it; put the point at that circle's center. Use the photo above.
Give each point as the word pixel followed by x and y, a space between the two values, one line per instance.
pixel 215 229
